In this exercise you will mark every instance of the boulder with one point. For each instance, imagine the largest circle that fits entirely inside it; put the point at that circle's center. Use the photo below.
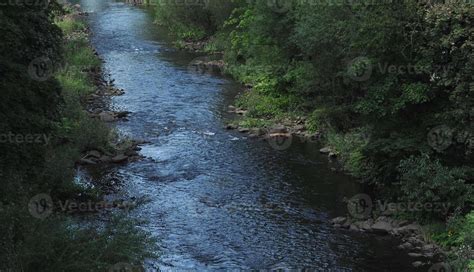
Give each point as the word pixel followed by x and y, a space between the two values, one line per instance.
pixel 382 227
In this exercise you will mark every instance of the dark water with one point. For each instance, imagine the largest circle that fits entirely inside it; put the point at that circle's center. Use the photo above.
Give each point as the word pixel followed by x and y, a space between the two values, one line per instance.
pixel 216 199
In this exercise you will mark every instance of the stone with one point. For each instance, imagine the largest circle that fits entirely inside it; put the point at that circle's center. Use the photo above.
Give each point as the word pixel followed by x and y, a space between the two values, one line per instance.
pixel 332 155
pixel 417 264
pixel 231 127
pixel 93 153
pixel 105 159
pixel 382 227
pixel 87 162
pixel 299 127
pixel 244 130
pixel 353 227
pixel 258 131
pixel 241 112
pixel 415 241
pixel 367 225
pixel 279 135
pixel 403 223
pixel 408 229
pixel 339 220
pixel 119 158
pixel 405 246
pixel 279 129
pixel 415 255
pixel 131 153
pixel 122 114
pixel 325 150
pixel 429 248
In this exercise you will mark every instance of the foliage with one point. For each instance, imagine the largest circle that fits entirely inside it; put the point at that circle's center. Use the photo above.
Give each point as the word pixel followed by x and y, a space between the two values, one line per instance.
pixel 397 70
pixel 51 108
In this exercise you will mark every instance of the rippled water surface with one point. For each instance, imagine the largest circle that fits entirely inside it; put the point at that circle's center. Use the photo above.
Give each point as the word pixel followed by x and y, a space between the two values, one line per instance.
pixel 216 199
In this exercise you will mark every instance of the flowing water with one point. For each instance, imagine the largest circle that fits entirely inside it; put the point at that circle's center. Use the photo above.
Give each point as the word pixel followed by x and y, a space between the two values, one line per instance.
pixel 215 199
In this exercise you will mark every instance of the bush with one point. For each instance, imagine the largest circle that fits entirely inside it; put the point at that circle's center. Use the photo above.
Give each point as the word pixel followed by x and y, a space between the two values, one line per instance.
pixel 424 180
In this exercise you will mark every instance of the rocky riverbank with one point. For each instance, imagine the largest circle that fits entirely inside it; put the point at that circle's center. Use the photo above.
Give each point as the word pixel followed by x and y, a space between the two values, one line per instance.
pixel 411 235
pixel 97 106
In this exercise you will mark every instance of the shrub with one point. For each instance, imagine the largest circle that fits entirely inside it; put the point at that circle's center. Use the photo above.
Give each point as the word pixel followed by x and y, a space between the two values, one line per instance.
pixel 424 180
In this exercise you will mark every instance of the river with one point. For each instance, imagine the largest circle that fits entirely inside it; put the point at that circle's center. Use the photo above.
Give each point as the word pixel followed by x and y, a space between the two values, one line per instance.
pixel 216 200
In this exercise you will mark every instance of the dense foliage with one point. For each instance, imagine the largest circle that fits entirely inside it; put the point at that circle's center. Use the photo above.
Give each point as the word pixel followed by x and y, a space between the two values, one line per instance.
pixel 43 130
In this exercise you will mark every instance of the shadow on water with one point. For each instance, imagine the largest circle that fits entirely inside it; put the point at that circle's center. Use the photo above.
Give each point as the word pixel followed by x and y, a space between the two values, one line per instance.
pixel 215 199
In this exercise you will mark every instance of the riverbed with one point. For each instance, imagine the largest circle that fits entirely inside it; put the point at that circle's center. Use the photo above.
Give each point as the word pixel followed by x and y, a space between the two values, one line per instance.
pixel 215 199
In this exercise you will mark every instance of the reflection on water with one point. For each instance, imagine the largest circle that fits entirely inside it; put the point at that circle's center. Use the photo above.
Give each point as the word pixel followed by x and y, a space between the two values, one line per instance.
pixel 216 199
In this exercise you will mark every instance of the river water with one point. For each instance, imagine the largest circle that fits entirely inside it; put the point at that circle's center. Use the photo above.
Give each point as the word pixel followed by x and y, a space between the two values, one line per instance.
pixel 218 201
